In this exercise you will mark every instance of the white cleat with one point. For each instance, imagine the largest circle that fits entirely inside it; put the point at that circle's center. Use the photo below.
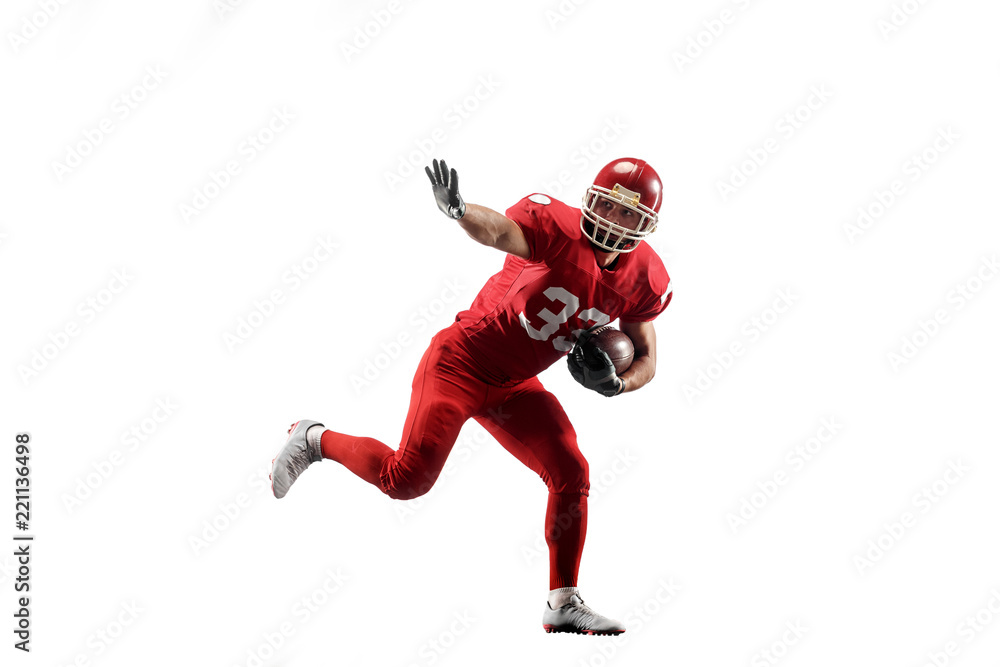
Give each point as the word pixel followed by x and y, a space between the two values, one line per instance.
pixel 576 617
pixel 299 451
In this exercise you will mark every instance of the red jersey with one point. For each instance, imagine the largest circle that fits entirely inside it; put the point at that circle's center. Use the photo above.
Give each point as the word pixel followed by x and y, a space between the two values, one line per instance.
pixel 527 316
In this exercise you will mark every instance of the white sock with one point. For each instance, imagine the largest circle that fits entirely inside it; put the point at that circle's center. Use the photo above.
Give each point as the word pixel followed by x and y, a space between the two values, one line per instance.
pixel 560 596
pixel 314 442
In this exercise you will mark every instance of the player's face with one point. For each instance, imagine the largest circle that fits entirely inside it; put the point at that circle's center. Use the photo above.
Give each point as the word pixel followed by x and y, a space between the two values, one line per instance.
pixel 615 213
pixel 618 214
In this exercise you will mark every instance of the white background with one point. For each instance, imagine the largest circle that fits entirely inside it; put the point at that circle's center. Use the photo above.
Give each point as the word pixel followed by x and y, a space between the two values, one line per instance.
pixel 686 462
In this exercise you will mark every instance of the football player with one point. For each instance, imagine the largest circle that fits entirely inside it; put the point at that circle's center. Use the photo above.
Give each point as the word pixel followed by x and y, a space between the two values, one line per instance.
pixel 567 271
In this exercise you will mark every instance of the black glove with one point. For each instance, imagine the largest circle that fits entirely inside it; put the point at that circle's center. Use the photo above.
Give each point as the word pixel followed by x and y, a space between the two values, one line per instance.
pixel 446 190
pixel 594 369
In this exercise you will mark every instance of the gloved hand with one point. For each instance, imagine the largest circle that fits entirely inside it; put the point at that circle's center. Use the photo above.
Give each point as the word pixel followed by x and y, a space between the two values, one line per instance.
pixel 445 185
pixel 594 368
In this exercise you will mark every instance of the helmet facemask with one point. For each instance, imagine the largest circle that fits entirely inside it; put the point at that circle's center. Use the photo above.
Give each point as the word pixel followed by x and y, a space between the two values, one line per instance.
pixel 611 236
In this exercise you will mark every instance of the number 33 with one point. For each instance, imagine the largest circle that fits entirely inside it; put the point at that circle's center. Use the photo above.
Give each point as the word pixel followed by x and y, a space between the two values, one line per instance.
pixel 553 321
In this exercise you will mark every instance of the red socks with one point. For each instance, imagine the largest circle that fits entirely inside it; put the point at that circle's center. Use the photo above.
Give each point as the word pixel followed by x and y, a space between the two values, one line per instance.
pixel 565 532
pixel 362 456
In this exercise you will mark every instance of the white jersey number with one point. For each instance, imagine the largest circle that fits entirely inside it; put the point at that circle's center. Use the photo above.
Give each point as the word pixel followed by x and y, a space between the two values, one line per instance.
pixel 553 321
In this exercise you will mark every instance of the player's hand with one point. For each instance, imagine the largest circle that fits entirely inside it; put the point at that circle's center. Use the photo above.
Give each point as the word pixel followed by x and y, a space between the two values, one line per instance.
pixel 445 185
pixel 585 335
pixel 594 369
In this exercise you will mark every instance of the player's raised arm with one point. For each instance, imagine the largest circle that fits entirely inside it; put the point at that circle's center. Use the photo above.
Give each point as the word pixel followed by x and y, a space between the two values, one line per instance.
pixel 483 224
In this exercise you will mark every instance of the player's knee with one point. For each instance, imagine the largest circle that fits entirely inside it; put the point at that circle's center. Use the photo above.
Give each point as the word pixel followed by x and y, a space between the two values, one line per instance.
pixel 405 493
pixel 403 488
pixel 573 475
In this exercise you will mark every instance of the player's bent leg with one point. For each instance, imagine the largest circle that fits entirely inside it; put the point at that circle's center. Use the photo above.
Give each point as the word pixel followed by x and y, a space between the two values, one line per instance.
pixel 444 396
pixel 410 471
pixel 301 449
pixel 432 427
pixel 402 474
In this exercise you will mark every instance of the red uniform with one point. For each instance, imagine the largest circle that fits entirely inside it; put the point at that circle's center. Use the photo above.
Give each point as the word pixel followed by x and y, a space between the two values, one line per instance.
pixel 528 315
pixel 484 367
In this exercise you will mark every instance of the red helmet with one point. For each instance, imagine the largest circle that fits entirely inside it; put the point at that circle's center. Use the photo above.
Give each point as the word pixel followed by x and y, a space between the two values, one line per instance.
pixel 630 183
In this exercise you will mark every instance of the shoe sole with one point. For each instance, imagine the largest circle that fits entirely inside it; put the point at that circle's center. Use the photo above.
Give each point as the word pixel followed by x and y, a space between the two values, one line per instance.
pixel 552 628
pixel 270 474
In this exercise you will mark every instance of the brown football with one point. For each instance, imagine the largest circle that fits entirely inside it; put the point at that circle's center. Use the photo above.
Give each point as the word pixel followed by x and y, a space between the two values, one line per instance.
pixel 616 344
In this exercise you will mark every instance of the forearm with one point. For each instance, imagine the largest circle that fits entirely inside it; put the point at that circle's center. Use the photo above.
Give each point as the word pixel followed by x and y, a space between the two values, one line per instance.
pixel 641 371
pixel 483 224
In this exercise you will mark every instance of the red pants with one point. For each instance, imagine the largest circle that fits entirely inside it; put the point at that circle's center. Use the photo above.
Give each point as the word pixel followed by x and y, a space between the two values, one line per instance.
pixel 448 389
